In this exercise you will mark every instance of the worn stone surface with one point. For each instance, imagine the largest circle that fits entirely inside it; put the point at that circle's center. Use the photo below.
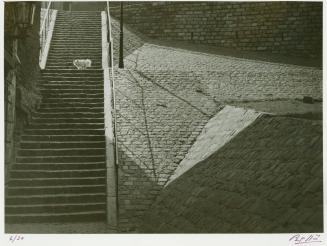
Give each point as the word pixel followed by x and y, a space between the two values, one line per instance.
pixel 267 179
pixel 226 78
pixel 219 130
pixel 292 28
pixel 164 98
pixel 155 128
pixel 21 78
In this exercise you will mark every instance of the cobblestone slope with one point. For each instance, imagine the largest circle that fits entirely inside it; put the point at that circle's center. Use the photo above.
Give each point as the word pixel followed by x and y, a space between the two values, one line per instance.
pixel 226 78
pixel 267 179
pixel 164 98
pixel 219 130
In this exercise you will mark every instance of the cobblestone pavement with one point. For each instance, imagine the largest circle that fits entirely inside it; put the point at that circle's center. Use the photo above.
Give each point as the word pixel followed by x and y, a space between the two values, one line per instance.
pixel 226 78
pixel 268 179
pixel 165 96
pixel 219 130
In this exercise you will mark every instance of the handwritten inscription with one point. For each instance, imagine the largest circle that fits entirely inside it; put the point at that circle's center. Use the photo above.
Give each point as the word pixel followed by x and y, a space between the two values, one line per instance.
pixel 14 238
pixel 303 239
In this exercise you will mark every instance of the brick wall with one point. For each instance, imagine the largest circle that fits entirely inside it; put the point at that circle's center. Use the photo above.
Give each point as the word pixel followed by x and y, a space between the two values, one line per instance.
pixel 292 28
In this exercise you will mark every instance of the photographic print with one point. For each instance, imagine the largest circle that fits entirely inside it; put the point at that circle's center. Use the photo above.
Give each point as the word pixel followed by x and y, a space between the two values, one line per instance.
pixel 163 117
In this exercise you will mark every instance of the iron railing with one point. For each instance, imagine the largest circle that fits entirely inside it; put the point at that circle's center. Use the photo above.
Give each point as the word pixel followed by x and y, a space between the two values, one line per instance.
pixel 112 77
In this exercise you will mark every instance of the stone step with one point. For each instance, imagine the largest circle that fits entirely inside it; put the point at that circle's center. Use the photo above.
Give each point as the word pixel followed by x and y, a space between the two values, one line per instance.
pixel 71 110
pixel 56 159
pixel 91 89
pixel 59 166
pixel 72 67
pixel 67 82
pixel 55 208
pixel 69 115
pixel 63 34
pixel 72 77
pixel 96 48
pixel 75 42
pixel 76 107
pixel 53 84
pixel 55 198
pixel 76 39
pixel 69 60
pixel 57 181
pixel 70 32
pixel 61 145
pixel 72 71
pixel 56 173
pixel 69 63
pixel 78 19
pixel 61 152
pixel 57 54
pixel 68 137
pixel 72 100
pixel 71 105
pixel 88 216
pixel 37 120
pixel 66 126
pixel 78 25
pixel 73 95
pixel 75 32
pixel 75 52
pixel 73 86
pixel 72 131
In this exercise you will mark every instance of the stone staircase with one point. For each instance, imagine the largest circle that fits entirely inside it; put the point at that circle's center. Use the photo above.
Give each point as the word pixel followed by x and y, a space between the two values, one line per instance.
pixel 59 175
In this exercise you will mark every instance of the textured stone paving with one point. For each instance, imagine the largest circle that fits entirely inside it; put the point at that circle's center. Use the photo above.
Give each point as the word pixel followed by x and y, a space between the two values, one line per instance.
pixel 267 179
pixel 164 98
pixel 226 78
pixel 219 130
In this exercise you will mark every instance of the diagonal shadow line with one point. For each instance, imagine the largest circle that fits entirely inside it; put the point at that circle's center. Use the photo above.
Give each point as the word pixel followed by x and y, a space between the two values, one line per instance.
pixel 146 124
pixel 131 123
pixel 170 92
pixel 122 143
pixel 129 99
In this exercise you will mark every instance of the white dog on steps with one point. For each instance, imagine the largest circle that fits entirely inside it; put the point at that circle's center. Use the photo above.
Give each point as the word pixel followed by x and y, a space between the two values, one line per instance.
pixel 82 64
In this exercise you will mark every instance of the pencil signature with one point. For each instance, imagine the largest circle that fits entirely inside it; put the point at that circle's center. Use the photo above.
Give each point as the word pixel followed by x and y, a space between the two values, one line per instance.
pixel 14 238
pixel 302 239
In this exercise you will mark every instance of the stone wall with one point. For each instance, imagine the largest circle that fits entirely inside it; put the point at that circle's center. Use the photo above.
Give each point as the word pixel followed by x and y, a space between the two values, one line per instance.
pixel 292 28
pixel 27 95
pixel 21 78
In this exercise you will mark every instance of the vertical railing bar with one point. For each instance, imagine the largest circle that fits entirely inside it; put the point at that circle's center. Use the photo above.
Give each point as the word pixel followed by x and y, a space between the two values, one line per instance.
pixel 113 83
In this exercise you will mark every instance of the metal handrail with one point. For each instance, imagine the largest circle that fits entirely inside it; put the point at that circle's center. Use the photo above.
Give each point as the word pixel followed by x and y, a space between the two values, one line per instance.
pixel 111 65
pixel 44 29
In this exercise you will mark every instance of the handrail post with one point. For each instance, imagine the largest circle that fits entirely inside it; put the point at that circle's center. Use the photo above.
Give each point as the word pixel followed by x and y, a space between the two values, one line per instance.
pixel 110 120
pixel 121 37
